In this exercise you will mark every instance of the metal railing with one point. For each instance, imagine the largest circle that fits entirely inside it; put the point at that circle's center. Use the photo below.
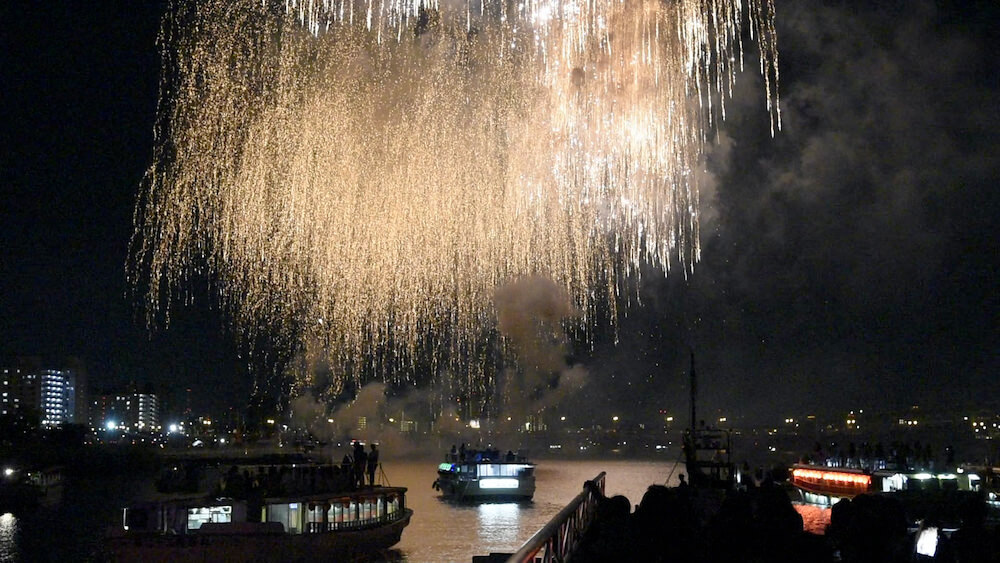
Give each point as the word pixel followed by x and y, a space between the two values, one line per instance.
pixel 320 527
pixel 557 539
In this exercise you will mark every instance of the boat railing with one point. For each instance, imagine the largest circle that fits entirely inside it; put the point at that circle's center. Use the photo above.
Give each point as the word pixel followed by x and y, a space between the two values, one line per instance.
pixel 319 527
pixel 471 458
pixel 557 539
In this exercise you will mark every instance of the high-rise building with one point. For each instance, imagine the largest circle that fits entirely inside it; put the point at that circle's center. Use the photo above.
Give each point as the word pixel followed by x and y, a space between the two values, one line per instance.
pixel 130 411
pixel 147 412
pixel 13 397
pixel 57 396
pixel 49 393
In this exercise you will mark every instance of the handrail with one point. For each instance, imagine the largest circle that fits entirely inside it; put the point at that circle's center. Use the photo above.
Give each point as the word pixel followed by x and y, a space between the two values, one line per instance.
pixel 557 539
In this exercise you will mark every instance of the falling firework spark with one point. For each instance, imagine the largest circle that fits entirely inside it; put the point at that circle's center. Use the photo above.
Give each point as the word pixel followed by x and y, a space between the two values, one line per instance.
pixel 365 173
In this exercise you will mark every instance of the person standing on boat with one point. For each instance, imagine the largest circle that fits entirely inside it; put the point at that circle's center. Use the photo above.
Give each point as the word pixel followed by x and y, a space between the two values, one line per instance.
pixel 372 464
pixel 360 460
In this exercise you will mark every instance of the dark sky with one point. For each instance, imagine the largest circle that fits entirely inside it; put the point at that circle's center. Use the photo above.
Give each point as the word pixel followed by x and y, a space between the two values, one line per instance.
pixel 849 262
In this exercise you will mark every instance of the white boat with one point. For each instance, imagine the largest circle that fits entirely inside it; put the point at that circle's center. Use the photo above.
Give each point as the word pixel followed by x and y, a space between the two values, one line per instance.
pixel 500 478
pixel 304 523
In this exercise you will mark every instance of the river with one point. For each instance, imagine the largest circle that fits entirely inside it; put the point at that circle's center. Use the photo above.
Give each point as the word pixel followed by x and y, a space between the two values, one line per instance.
pixel 440 531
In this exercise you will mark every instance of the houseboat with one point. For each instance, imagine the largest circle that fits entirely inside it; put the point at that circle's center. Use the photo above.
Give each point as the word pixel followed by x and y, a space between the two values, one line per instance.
pixel 486 477
pixel 824 486
pixel 293 515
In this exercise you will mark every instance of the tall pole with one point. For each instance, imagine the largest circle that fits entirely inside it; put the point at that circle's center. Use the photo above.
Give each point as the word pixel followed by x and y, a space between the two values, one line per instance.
pixel 694 394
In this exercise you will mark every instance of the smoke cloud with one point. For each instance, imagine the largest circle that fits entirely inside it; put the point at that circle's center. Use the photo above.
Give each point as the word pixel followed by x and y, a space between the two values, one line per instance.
pixel 530 315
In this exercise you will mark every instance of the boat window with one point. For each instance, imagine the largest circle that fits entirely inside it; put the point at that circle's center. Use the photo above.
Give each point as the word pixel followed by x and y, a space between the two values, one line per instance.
pixel 286 513
pixel 278 513
pixel 336 512
pixel 200 515
pixel 315 513
pixel 366 510
pixel 293 517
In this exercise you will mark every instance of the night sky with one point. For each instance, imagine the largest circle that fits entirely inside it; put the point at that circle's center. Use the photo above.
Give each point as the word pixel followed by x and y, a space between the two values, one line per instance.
pixel 849 262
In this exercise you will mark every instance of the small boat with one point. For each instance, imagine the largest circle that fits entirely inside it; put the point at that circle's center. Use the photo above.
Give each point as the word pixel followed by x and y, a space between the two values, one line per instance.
pixel 708 458
pixel 708 451
pixel 486 477
pixel 291 514
pixel 22 491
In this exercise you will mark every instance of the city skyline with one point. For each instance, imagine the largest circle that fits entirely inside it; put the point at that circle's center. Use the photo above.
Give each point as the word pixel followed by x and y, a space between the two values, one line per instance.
pixel 851 259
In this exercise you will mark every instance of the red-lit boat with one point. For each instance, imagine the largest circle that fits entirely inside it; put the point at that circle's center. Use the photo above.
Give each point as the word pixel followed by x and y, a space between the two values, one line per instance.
pixel 824 486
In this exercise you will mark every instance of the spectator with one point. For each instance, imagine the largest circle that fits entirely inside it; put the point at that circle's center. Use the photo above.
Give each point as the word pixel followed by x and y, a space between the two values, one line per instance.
pixel 372 465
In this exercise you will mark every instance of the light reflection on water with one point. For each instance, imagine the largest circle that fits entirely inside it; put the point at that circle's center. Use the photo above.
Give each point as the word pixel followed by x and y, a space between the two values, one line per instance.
pixel 444 532
pixel 8 537
pixel 815 519
pixel 498 522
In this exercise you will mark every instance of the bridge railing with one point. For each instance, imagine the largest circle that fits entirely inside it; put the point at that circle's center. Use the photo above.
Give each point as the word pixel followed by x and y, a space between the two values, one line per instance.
pixel 557 539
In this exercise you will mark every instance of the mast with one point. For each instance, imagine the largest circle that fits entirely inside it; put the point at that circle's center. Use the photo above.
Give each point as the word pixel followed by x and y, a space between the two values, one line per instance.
pixel 694 394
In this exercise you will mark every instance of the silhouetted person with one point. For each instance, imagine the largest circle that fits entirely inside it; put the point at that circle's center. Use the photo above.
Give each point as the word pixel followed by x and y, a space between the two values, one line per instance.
pixel 664 526
pixel 683 480
pixel 360 461
pixel 608 536
pixel 372 465
pixel 778 525
pixel 872 529
pixel 973 543
pixel 453 453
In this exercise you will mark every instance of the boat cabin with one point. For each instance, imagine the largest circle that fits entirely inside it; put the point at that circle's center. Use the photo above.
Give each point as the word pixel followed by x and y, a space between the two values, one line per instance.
pixel 292 515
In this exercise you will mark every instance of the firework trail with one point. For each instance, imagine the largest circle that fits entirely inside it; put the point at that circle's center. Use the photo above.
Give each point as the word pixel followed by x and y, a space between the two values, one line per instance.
pixel 363 174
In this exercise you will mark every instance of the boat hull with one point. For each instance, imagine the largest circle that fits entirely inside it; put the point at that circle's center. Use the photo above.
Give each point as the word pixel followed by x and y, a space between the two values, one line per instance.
pixel 241 545
pixel 452 487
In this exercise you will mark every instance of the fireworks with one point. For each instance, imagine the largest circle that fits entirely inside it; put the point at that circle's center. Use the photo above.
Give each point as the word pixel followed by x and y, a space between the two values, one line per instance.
pixel 364 174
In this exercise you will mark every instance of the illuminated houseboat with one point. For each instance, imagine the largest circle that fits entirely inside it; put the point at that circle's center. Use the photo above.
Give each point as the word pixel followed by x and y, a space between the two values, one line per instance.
pixel 825 486
pixel 508 478
pixel 321 524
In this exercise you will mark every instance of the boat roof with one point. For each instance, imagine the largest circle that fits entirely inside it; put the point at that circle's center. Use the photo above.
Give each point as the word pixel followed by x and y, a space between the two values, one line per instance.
pixel 360 493
pixel 203 499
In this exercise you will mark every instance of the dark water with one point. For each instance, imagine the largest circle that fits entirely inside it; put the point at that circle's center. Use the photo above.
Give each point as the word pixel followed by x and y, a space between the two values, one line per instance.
pixel 440 531
pixel 71 529
pixel 444 532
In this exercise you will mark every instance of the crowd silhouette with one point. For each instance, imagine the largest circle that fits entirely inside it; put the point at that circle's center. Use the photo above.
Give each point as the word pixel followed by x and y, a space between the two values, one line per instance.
pixel 760 525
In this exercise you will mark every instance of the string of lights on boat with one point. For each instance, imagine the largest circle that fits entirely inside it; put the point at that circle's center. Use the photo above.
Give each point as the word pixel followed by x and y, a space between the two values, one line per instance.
pixel 360 176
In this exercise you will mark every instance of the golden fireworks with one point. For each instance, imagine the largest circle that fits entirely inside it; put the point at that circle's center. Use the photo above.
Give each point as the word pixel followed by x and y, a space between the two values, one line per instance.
pixel 368 172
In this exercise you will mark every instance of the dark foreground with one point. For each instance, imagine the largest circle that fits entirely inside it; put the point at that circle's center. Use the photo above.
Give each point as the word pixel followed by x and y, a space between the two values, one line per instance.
pixel 683 524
